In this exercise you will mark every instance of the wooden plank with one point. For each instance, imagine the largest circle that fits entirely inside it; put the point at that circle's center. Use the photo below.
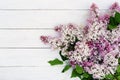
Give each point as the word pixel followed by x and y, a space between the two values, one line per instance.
pixel 40 19
pixel 26 57
pixel 54 4
pixel 23 38
pixel 30 65
pixel 36 73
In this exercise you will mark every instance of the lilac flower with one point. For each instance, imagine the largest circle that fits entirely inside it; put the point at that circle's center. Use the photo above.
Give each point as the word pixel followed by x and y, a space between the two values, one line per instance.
pixel 94 10
pixel 58 28
pixel 115 7
pixel 92 47
pixel 44 39
pixel 104 18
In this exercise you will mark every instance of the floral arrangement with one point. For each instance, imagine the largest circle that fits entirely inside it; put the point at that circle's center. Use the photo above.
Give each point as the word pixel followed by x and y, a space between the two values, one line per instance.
pixel 92 51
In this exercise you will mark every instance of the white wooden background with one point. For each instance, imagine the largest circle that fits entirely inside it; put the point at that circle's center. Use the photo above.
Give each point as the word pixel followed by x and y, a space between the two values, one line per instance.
pixel 22 55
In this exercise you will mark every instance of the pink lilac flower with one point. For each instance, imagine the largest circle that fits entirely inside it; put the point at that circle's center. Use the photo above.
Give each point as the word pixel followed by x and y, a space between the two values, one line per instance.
pixel 44 39
pixel 58 28
pixel 115 7
pixel 104 18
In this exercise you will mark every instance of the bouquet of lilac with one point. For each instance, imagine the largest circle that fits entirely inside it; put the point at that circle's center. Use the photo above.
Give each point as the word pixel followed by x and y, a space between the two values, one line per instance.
pixel 92 51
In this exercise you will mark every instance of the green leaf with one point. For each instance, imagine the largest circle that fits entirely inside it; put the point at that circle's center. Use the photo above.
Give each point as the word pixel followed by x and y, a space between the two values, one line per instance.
pixel 66 68
pixel 110 27
pixel 55 62
pixel 85 75
pixel 63 57
pixel 113 22
pixel 118 69
pixel 85 79
pixel 74 74
pixel 79 69
pixel 118 77
pixel 109 76
pixel 117 17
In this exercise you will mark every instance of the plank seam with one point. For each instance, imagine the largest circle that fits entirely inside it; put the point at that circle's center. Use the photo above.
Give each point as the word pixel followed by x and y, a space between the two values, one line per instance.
pixel 17 66
pixel 26 29
pixel 45 9
pixel 24 47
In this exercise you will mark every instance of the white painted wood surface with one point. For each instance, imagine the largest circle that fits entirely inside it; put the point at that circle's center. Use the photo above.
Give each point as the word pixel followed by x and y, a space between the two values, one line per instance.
pixel 53 4
pixel 22 55
pixel 40 18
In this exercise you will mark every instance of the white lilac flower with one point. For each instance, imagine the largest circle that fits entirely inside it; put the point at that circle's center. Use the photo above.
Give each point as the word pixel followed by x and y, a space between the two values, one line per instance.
pixel 55 43
pixel 97 72
pixel 95 31
pixel 110 60
pixel 83 49
pixel 113 35
pixel 111 63
pixel 69 33
pixel 81 52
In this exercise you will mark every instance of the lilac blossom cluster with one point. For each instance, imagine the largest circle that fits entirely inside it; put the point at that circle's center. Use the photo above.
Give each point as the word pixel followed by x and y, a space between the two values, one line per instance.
pixel 93 47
